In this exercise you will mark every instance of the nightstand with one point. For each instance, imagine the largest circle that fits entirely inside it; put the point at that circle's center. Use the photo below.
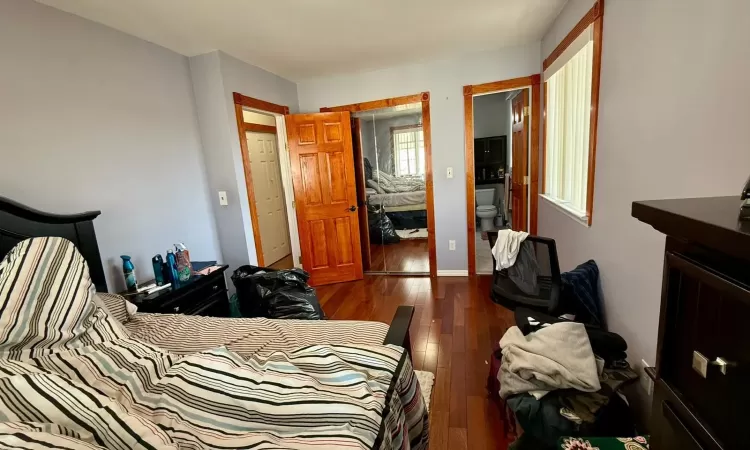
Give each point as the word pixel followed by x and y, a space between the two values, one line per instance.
pixel 202 295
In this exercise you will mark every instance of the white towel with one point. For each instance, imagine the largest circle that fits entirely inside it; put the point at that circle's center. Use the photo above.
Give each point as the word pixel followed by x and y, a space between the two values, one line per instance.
pixel 506 247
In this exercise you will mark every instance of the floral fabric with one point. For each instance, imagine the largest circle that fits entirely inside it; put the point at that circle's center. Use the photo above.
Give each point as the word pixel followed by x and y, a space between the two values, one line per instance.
pixel 634 443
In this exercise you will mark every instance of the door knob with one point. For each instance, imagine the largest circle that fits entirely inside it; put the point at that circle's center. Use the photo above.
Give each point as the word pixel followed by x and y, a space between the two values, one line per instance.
pixel 352 208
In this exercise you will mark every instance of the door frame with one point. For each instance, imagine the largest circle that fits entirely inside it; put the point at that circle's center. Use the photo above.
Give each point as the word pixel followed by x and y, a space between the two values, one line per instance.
pixel 424 99
pixel 532 82
pixel 277 111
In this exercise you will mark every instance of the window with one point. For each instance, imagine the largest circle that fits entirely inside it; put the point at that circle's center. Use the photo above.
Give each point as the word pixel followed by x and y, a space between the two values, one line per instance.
pixel 570 107
pixel 408 151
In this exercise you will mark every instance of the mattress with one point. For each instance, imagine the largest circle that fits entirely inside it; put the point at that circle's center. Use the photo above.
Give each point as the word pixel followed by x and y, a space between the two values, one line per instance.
pixel 189 334
pixel 398 199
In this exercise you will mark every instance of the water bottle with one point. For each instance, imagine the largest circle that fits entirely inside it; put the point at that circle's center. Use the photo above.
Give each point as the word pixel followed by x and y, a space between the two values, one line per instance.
pixel 157 262
pixel 128 269
pixel 174 278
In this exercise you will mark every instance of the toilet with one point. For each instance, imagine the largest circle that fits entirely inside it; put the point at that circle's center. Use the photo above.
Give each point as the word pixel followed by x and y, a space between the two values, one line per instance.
pixel 486 211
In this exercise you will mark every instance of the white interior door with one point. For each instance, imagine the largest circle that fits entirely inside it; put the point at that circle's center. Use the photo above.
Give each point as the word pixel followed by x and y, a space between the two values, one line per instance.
pixel 269 196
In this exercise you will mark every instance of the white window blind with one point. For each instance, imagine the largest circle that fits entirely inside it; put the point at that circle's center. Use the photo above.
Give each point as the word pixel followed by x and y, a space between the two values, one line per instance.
pixel 408 151
pixel 568 124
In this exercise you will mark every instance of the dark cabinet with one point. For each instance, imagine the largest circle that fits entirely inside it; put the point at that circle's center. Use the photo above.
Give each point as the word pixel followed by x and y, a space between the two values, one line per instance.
pixel 490 157
pixel 703 360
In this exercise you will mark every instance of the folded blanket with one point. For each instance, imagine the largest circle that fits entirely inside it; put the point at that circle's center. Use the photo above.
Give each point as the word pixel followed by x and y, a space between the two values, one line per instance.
pixel 556 357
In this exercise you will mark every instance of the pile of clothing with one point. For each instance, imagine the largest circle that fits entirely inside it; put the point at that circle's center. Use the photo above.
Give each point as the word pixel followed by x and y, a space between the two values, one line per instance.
pixel 561 378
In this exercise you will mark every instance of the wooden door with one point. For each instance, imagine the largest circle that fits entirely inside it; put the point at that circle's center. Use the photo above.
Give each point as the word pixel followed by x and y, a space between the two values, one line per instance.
pixel 269 196
pixel 519 186
pixel 322 160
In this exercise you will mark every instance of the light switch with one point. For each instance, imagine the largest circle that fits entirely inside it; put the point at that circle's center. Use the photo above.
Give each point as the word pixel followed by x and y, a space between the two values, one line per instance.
pixel 223 198
pixel 449 172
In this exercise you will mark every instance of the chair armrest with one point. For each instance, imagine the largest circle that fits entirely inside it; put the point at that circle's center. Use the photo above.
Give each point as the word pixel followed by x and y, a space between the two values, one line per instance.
pixel 398 333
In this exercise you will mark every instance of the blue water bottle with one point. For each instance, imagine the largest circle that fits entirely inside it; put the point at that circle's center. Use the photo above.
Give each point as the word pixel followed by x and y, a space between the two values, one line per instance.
pixel 129 271
pixel 157 262
pixel 172 265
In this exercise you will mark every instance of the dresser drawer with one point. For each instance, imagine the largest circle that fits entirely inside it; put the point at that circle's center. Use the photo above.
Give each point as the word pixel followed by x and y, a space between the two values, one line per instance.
pixel 706 322
pixel 674 427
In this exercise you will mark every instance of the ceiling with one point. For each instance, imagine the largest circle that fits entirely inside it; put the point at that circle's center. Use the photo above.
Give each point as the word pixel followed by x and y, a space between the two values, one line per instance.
pixel 300 39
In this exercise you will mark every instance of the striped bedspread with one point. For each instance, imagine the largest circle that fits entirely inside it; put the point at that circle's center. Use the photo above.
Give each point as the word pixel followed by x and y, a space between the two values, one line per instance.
pixel 189 334
pixel 72 377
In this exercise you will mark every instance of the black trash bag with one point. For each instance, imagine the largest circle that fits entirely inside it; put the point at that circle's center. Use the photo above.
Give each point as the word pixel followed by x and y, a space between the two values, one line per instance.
pixel 245 280
pixel 382 231
pixel 277 294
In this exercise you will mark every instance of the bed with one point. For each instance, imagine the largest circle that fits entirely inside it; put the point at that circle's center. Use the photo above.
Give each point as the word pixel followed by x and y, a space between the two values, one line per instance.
pixel 400 415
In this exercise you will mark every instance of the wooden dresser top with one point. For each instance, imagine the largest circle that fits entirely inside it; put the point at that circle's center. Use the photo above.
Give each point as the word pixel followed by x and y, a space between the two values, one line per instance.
pixel 712 222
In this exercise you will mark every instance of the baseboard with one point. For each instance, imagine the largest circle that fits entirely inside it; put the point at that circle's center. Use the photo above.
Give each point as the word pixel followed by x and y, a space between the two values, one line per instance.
pixel 452 273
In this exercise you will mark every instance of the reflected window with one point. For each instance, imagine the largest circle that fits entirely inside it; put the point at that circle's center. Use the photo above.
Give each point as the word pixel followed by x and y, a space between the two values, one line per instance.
pixel 408 151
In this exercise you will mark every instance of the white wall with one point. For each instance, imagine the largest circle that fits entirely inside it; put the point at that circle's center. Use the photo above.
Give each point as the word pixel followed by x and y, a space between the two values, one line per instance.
pixel 94 119
pixel 491 116
pixel 672 123
pixel 444 79
pixel 216 76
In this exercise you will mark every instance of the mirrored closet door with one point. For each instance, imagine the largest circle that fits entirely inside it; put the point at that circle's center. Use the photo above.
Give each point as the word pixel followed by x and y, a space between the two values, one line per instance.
pixel 393 160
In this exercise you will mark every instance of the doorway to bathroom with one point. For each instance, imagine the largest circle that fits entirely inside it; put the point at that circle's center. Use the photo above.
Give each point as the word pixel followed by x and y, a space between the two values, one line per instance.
pixel 501 122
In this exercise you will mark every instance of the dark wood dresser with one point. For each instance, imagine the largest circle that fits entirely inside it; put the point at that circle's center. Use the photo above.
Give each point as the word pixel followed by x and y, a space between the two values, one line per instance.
pixel 702 391
pixel 204 295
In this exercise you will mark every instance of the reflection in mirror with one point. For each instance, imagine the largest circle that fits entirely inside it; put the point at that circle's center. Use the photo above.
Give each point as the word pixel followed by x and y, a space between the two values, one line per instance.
pixel 394 167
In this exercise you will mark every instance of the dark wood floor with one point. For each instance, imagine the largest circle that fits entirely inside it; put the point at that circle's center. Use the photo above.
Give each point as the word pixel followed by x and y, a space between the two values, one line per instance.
pixel 410 255
pixel 454 328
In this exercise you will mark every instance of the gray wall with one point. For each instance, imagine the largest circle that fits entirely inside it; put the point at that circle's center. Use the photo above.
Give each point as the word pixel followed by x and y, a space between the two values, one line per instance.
pixel 216 76
pixel 491 115
pixel 444 80
pixel 670 125
pixel 94 119
pixel 382 131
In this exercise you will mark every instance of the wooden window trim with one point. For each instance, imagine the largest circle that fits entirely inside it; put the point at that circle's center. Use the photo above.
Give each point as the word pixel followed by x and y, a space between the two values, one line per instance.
pixel 241 101
pixel 594 16
pixel 424 99
pixel 533 82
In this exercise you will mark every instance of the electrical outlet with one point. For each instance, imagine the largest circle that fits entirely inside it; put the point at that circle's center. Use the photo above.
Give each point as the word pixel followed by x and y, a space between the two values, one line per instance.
pixel 646 382
pixel 451 245
pixel 223 198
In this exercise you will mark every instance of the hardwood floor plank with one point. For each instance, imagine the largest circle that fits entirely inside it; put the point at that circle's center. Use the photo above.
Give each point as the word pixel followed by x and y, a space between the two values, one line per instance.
pixel 439 430
pixel 476 427
pixel 445 350
pixel 441 396
pixel 457 439
pixel 458 391
pixel 431 357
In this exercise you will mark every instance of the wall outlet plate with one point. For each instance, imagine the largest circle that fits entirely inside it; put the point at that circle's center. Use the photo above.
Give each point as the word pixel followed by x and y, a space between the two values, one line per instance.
pixel 451 245
pixel 223 198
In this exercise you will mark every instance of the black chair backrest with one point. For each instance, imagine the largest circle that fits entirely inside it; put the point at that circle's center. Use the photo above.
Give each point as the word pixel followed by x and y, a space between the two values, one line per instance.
pixel 506 292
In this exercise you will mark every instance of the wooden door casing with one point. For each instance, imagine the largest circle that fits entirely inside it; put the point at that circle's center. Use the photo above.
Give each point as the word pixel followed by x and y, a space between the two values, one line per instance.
pixel 519 193
pixel 322 160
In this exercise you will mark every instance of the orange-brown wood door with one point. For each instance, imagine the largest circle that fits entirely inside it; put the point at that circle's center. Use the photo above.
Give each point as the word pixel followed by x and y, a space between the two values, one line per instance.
pixel 325 194
pixel 519 187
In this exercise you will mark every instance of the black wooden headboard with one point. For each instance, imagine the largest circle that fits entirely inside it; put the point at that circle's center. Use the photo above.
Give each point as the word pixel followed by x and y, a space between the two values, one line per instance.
pixel 18 222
